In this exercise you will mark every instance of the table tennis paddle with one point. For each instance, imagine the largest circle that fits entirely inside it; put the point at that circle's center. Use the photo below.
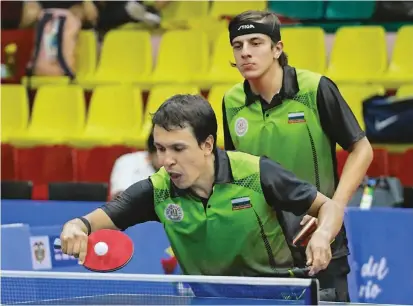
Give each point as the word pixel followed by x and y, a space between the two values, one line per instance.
pixel 304 236
pixel 107 250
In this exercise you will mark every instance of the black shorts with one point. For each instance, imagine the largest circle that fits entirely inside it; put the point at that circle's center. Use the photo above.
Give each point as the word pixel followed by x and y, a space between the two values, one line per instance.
pixel 333 281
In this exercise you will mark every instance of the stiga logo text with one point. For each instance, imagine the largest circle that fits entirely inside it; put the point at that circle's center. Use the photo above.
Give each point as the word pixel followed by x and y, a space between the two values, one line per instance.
pixel 246 26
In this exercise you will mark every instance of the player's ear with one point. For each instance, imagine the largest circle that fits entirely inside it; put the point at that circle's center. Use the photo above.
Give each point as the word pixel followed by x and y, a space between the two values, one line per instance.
pixel 208 145
pixel 277 49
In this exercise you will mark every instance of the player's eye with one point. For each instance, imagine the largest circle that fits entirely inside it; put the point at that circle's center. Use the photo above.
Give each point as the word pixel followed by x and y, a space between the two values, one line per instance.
pixel 160 149
pixel 179 149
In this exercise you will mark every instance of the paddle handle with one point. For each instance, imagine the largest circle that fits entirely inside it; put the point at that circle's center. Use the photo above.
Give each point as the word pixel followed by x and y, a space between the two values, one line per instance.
pixel 299 272
pixel 291 272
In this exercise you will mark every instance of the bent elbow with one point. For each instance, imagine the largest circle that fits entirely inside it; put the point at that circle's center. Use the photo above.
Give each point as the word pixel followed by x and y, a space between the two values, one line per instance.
pixel 369 153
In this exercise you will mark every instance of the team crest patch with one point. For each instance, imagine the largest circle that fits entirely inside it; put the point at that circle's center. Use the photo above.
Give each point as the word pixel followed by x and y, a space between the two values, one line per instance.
pixel 297 117
pixel 241 126
pixel 39 251
pixel 174 212
pixel 241 203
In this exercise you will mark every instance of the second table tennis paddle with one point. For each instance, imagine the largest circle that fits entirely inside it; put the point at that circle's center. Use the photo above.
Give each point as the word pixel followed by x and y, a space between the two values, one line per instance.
pixel 304 236
pixel 107 250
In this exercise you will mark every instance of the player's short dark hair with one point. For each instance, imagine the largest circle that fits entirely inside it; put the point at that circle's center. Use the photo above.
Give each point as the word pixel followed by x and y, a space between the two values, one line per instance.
pixel 184 110
pixel 265 17
pixel 150 146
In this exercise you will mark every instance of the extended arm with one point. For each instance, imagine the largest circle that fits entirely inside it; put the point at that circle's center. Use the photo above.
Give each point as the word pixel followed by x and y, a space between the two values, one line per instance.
pixel 284 191
pixel 342 127
pixel 134 205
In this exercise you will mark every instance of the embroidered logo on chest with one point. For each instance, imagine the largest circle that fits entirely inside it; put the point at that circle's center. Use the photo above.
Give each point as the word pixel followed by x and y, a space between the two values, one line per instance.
pixel 174 212
pixel 241 126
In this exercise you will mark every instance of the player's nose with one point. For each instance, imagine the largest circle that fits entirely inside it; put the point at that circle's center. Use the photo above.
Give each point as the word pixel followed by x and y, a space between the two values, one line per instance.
pixel 168 161
pixel 245 51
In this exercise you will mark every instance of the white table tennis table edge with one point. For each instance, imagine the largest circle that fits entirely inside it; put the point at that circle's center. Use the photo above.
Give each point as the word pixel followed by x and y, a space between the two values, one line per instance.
pixel 235 280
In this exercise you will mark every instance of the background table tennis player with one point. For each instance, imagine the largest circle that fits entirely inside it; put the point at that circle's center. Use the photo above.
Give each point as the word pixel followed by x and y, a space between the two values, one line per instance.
pixel 107 250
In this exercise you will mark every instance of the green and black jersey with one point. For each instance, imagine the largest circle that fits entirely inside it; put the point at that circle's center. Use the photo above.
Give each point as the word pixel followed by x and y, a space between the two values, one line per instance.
pixel 299 129
pixel 236 231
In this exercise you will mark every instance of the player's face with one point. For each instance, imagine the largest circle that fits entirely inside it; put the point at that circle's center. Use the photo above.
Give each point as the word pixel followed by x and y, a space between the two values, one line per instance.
pixel 178 151
pixel 253 54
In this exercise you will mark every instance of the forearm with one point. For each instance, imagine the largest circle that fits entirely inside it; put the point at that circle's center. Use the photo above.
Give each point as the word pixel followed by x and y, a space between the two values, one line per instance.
pixel 98 219
pixel 330 218
pixel 354 171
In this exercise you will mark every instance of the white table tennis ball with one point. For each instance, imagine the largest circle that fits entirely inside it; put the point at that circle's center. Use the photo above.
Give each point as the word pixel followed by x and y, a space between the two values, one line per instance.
pixel 101 248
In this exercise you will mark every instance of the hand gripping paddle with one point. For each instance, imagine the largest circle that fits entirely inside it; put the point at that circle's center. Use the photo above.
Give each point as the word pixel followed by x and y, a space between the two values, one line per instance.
pixel 304 236
pixel 107 250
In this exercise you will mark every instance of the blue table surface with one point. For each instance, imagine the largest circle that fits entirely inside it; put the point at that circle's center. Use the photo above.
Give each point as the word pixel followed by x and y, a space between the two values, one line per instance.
pixel 132 299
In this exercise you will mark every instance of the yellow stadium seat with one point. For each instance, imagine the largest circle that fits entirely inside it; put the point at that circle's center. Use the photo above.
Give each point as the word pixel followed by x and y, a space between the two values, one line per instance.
pixel 126 58
pixel 305 48
pixel 354 95
pixel 359 54
pixel 400 70
pixel 179 14
pixel 114 116
pixel 58 114
pixel 157 96
pixel 212 28
pixel 86 53
pixel 405 91
pixel 182 56
pixel 38 81
pixel 14 111
pixel 232 8
pixel 221 71
pixel 216 94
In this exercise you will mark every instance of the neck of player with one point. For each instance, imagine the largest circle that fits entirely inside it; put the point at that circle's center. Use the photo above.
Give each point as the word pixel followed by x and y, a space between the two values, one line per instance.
pixel 269 83
pixel 205 182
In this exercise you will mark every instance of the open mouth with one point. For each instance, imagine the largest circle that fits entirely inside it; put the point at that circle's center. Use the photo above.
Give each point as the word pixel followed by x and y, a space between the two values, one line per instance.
pixel 175 176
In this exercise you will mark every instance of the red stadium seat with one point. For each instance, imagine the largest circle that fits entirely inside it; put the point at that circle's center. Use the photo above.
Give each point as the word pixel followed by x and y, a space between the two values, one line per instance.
pixel 95 164
pixel 24 39
pixel 42 165
pixel 341 156
pixel 380 164
pixel 378 167
pixel 406 170
pixel 7 163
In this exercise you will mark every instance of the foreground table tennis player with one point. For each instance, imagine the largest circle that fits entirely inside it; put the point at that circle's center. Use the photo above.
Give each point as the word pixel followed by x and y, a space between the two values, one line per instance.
pixel 219 208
